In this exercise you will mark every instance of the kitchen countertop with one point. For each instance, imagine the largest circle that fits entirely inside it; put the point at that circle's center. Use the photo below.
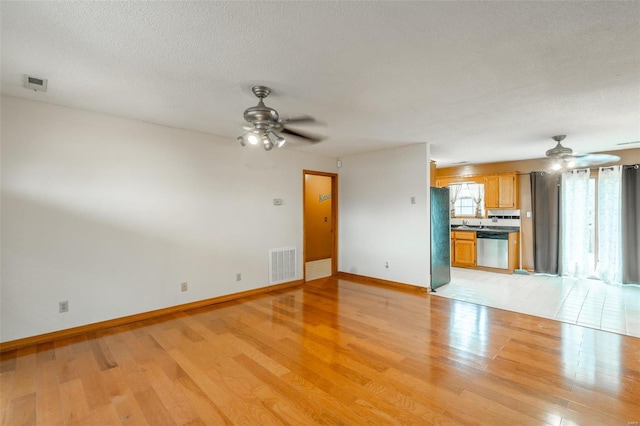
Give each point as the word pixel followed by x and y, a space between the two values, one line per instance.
pixel 496 229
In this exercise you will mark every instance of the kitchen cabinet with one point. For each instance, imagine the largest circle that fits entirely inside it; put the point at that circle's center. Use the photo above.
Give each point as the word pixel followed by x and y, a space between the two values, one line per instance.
pixel 463 248
pixel 464 251
pixel 501 191
pixel 432 174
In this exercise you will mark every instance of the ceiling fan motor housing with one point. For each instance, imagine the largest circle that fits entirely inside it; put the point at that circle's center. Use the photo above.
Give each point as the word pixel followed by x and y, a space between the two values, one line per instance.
pixel 261 116
pixel 559 151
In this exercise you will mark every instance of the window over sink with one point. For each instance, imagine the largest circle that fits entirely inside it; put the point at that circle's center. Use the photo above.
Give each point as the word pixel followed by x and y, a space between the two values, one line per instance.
pixel 467 199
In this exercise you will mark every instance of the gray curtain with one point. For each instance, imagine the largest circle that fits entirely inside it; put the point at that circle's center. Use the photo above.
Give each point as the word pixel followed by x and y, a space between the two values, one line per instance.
pixel 545 201
pixel 630 226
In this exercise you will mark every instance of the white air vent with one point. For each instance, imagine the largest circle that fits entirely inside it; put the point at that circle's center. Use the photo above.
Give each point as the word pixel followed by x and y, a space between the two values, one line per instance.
pixel 34 83
pixel 282 265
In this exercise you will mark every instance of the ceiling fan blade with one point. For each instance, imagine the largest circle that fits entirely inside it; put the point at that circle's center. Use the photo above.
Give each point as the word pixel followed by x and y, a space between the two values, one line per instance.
pixel 308 137
pixel 585 160
pixel 300 119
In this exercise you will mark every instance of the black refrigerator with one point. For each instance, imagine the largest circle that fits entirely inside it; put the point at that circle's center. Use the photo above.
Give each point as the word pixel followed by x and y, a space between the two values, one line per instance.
pixel 440 238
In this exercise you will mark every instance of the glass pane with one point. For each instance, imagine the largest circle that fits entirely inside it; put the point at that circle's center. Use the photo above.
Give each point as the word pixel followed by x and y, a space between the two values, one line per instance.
pixel 591 204
pixel 469 199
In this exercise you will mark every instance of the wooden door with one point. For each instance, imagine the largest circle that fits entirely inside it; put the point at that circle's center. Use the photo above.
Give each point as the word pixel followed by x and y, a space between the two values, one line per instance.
pixel 320 213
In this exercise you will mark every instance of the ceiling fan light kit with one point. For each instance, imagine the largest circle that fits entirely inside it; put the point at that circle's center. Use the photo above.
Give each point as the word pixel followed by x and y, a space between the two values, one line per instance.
pixel 265 121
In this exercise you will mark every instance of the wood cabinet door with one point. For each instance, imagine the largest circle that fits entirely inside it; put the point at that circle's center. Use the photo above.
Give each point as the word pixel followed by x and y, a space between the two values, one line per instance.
pixel 492 192
pixel 465 252
pixel 507 192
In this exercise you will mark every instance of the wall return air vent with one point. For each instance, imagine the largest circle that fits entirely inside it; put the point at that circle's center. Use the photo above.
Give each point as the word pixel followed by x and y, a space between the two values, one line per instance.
pixel 35 83
pixel 282 265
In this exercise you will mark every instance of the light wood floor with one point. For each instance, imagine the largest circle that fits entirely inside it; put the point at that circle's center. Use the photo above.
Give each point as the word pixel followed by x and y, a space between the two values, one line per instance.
pixel 330 352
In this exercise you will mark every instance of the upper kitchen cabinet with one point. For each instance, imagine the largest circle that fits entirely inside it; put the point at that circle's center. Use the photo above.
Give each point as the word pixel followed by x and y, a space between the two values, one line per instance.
pixel 433 173
pixel 501 191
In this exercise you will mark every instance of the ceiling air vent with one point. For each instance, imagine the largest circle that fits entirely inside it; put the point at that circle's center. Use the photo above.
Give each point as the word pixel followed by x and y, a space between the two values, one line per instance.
pixel 34 83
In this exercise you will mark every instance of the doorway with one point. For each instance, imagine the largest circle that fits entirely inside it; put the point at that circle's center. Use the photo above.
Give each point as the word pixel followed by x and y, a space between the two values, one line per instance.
pixel 320 206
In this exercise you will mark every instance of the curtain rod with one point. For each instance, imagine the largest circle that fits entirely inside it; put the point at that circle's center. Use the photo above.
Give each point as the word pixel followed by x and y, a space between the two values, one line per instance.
pixel 593 169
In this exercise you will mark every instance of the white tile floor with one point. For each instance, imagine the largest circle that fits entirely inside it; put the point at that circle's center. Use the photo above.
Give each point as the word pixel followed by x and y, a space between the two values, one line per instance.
pixel 590 303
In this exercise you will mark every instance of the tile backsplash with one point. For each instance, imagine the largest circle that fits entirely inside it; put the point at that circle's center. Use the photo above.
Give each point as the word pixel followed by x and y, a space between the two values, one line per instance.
pixel 496 218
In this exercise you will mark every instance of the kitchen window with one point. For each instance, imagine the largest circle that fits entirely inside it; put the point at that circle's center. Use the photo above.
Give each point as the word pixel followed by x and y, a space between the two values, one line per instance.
pixel 467 199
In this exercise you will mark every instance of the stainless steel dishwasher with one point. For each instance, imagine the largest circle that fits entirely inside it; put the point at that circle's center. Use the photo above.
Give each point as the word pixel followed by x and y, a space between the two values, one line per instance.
pixel 493 249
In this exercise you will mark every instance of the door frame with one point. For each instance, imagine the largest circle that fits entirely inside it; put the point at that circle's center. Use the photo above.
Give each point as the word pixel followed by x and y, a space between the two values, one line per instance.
pixel 334 220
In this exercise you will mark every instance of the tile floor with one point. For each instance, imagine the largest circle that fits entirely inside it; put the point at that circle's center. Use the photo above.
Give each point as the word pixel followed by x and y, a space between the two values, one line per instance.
pixel 590 303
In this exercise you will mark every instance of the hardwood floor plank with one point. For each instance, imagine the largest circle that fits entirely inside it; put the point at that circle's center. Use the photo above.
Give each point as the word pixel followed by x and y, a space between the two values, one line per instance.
pixel 233 408
pixel 320 409
pixel 207 410
pixel 101 352
pixel 48 403
pixel 129 411
pixel 625 410
pixel 22 410
pixel 176 403
pixel 153 409
pixel 24 379
pixel 65 361
pixel 74 405
pixel 332 351
pixel 94 390
pixel 6 389
pixel 105 415
pixel 314 370
pixel 45 352
pixel 8 361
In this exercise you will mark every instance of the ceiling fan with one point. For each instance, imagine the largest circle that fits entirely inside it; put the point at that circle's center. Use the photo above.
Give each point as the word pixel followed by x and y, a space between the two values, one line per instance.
pixel 561 154
pixel 264 122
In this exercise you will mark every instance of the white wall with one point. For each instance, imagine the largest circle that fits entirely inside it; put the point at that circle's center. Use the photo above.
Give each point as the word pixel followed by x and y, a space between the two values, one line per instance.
pixel 377 221
pixel 112 214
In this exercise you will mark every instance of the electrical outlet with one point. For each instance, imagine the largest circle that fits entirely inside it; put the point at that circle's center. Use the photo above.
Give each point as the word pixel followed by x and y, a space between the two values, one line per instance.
pixel 184 286
pixel 413 200
pixel 386 265
pixel 63 306
pixel 238 276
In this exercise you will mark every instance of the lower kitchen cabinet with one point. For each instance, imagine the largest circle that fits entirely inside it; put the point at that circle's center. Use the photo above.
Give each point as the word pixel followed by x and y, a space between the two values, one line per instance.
pixel 464 251
pixel 463 248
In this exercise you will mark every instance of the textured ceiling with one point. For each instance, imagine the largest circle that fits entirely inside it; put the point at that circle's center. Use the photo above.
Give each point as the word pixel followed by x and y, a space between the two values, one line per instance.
pixel 481 81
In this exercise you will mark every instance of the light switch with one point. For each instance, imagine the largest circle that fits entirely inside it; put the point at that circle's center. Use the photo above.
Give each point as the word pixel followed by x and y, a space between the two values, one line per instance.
pixel 413 200
pixel 277 201
pixel 528 214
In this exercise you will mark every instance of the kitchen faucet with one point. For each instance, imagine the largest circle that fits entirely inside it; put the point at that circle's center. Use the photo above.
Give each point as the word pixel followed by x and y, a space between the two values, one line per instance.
pixel 465 222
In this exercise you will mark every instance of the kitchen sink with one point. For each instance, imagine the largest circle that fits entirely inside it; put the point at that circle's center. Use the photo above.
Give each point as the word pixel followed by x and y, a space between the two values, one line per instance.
pixel 468 228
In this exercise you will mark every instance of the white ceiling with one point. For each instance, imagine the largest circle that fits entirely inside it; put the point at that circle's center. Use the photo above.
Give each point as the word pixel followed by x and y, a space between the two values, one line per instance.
pixel 481 81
